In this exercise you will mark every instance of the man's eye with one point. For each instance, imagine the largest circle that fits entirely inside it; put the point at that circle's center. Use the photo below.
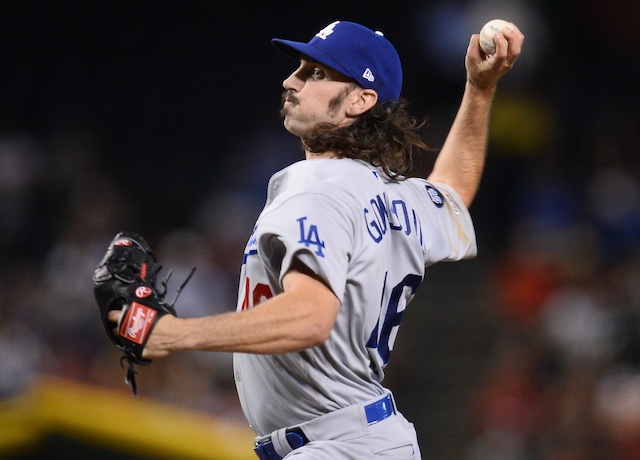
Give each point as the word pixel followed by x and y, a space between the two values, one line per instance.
pixel 317 73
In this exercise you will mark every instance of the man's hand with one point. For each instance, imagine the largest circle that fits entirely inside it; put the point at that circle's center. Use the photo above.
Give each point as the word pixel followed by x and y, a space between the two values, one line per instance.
pixel 483 72
pixel 154 347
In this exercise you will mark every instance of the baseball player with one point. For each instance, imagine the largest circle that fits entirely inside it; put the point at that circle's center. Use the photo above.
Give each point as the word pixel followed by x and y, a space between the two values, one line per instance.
pixel 341 247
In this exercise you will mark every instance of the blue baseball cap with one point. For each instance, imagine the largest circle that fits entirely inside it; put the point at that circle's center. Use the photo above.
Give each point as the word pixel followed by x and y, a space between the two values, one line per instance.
pixel 356 52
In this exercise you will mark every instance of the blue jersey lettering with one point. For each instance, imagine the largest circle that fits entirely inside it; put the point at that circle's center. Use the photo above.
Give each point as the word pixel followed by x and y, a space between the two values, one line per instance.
pixel 310 237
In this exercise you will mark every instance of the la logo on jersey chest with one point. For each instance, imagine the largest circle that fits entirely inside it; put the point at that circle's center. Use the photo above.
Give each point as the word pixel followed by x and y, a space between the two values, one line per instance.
pixel 310 237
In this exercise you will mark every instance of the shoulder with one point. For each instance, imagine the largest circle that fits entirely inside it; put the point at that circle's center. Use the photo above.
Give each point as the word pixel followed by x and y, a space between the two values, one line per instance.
pixel 322 176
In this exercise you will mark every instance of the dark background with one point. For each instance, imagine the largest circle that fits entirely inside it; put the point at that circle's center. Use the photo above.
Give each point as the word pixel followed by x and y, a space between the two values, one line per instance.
pixel 164 91
pixel 162 117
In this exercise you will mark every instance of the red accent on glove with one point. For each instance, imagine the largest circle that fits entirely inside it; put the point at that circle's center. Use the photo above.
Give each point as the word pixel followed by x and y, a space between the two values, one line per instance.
pixel 136 325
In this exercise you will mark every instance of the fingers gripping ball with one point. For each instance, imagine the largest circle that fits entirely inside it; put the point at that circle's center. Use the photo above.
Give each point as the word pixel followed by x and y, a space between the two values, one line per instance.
pixel 125 280
pixel 487 32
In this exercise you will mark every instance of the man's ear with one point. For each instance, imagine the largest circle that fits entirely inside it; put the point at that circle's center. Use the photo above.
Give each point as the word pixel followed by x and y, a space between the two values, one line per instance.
pixel 361 100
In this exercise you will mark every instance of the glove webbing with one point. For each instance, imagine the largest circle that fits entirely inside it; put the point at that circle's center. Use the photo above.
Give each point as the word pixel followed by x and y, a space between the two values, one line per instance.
pixel 130 377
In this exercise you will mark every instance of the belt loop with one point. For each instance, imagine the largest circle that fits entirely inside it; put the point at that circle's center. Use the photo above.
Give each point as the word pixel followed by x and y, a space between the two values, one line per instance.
pixel 280 442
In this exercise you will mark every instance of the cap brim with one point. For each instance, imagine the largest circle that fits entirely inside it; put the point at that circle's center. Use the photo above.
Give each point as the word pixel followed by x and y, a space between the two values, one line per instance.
pixel 296 49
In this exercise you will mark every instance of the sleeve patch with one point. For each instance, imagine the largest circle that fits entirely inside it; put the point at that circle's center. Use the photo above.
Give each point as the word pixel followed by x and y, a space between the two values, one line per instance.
pixel 435 195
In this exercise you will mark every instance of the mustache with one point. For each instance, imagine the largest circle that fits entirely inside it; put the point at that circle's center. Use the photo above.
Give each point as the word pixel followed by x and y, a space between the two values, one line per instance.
pixel 287 96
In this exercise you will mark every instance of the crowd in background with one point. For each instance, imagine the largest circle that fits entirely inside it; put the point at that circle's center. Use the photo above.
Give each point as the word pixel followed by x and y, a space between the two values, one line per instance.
pixel 557 283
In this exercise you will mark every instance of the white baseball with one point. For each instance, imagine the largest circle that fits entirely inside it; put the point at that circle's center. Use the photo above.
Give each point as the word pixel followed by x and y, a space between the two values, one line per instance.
pixel 486 35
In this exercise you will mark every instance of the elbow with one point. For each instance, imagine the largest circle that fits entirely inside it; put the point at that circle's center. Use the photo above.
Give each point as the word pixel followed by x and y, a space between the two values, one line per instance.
pixel 466 192
pixel 467 199
pixel 317 327
pixel 316 333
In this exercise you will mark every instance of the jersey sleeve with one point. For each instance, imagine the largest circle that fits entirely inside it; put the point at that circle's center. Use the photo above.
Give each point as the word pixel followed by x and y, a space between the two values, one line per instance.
pixel 313 229
pixel 452 232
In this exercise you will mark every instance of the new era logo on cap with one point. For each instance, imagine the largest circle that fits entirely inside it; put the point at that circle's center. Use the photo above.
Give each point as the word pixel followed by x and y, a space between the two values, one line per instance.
pixel 368 75
pixel 356 52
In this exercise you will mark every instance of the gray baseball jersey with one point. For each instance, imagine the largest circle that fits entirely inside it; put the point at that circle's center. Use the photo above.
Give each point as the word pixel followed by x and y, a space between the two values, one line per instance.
pixel 370 239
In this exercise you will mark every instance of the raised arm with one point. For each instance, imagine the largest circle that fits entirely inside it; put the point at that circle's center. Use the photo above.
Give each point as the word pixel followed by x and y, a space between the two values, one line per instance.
pixel 461 161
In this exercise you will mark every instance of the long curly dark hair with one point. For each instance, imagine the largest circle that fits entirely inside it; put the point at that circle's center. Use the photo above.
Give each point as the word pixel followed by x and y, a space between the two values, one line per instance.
pixel 386 136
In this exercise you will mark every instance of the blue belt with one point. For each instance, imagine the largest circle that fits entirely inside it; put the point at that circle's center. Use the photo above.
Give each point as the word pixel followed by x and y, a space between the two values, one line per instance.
pixel 379 410
pixel 374 412
pixel 265 451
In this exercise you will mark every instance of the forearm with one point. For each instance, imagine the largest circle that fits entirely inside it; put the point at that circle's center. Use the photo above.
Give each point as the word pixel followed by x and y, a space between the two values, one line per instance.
pixel 461 161
pixel 272 327
pixel 299 318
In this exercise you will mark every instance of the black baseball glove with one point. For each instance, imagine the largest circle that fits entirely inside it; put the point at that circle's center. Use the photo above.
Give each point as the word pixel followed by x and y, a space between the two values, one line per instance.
pixel 126 280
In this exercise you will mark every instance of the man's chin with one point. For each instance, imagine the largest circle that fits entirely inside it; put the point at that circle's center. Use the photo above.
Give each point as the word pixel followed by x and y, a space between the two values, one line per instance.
pixel 291 127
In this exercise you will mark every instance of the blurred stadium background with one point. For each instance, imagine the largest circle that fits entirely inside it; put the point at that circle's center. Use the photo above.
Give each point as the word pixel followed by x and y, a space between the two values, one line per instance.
pixel 162 117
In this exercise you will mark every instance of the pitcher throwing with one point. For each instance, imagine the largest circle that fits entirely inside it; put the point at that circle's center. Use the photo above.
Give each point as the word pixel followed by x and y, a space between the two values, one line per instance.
pixel 341 247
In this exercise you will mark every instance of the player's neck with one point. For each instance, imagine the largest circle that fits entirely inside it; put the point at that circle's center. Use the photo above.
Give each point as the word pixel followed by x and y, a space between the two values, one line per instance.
pixel 316 156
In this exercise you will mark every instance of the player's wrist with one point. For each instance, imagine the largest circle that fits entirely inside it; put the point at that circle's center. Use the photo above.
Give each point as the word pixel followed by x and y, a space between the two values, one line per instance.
pixel 184 335
pixel 172 336
pixel 480 91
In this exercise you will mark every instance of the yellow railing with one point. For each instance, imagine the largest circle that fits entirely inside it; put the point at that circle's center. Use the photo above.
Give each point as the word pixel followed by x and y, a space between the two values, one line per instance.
pixel 117 421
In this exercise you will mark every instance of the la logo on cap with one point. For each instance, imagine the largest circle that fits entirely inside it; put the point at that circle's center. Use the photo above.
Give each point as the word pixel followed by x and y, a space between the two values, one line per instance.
pixel 324 33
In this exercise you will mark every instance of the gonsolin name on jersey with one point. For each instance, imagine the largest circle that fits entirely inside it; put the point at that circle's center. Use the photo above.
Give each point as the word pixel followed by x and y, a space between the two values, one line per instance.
pixel 382 215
